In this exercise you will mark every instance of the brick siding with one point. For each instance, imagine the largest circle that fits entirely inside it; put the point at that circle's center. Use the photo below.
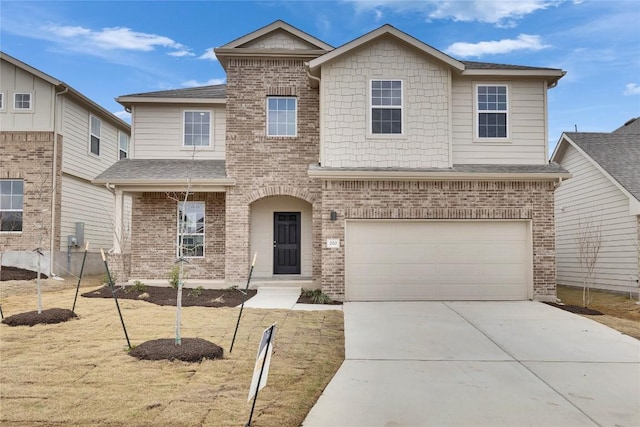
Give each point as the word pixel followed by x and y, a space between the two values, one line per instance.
pixel 29 156
pixel 440 200
pixel 154 237
pixel 267 166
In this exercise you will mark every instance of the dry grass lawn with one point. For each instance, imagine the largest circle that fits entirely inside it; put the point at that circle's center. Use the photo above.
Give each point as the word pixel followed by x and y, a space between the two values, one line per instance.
pixel 620 312
pixel 78 373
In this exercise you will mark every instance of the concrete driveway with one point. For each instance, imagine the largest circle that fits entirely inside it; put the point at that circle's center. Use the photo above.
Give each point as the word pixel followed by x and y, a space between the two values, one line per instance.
pixel 480 364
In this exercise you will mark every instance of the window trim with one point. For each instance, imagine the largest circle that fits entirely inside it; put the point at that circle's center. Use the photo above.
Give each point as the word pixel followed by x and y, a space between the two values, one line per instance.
pixel 295 116
pixel 126 152
pixel 401 107
pixel 204 229
pixel 26 110
pixel 477 112
pixel 91 134
pixel 21 210
pixel 184 134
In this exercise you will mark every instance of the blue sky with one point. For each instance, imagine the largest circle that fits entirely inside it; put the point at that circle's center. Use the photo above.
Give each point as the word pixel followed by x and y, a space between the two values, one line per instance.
pixel 106 49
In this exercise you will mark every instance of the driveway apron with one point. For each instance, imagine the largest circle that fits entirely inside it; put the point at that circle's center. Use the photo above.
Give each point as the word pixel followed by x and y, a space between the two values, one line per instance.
pixel 480 364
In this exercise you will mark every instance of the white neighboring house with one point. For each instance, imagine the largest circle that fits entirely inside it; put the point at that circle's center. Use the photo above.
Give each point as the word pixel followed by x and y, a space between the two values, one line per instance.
pixel 604 189
pixel 46 185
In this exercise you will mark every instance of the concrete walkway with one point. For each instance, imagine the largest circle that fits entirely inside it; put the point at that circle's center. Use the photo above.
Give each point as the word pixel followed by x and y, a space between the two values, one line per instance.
pixel 480 364
pixel 285 297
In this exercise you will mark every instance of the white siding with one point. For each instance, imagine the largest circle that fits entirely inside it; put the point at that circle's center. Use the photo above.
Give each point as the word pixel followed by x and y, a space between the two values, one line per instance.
pixel 262 232
pixel 589 195
pixel 278 39
pixel 346 139
pixel 93 205
pixel 16 80
pixel 158 132
pixel 76 158
pixel 527 125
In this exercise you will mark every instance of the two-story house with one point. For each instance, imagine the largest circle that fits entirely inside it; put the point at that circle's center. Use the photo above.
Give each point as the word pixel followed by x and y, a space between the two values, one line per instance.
pixel 53 142
pixel 383 169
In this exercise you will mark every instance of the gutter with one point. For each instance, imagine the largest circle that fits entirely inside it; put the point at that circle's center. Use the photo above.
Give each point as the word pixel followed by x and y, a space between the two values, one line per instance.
pixel 54 180
pixel 435 176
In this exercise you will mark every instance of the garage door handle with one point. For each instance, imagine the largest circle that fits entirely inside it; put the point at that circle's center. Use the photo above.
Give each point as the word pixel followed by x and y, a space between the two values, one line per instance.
pixel 275 243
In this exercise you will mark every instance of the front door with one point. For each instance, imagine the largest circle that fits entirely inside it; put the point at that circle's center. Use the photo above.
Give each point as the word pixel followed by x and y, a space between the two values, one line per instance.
pixel 286 243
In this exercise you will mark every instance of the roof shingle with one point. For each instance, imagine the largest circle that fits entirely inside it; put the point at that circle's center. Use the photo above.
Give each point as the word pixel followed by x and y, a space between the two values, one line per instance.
pixel 162 170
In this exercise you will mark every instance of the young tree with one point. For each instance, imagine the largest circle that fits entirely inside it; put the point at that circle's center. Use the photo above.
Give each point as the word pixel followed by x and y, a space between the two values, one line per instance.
pixel 588 241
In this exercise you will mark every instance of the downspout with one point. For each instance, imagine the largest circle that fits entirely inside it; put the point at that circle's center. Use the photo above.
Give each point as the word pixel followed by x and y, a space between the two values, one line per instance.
pixel 321 120
pixel 54 180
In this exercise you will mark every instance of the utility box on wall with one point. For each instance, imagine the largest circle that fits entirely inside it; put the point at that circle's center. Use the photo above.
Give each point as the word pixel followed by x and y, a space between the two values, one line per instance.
pixel 80 233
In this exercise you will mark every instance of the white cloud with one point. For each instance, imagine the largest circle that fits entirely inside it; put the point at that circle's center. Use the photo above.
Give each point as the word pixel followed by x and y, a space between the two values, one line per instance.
pixel 210 82
pixel 632 89
pixel 123 115
pixel 120 38
pixel 209 54
pixel 499 12
pixel 522 42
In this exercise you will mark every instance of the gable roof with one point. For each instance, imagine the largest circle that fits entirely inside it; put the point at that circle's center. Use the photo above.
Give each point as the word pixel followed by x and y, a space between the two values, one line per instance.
pixel 213 94
pixel 616 154
pixel 241 47
pixel 631 126
pixel 63 87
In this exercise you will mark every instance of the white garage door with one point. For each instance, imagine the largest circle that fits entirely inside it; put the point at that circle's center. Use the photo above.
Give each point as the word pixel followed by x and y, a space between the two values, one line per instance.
pixel 437 260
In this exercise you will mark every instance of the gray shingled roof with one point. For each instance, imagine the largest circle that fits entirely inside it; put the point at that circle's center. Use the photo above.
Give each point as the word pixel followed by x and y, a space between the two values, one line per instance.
pixel 475 168
pixel 136 170
pixel 491 66
pixel 631 126
pixel 617 153
pixel 214 91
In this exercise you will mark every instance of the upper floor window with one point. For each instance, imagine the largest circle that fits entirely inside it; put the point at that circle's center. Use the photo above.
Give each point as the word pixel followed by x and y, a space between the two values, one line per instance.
pixel 191 229
pixel 386 107
pixel 492 111
pixel 11 198
pixel 22 101
pixel 282 116
pixel 123 145
pixel 95 126
pixel 1 100
pixel 197 128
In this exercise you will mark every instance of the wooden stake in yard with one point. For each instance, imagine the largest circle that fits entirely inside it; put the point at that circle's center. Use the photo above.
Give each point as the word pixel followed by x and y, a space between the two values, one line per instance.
pixel 115 298
pixel 244 298
pixel 84 258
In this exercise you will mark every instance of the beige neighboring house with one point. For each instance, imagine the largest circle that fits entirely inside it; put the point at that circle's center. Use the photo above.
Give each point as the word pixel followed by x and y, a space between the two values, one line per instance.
pixel 383 169
pixel 605 191
pixel 53 142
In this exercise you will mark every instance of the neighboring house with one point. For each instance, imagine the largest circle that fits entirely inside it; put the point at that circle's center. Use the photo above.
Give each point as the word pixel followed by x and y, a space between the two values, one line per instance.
pixel 380 170
pixel 604 191
pixel 53 142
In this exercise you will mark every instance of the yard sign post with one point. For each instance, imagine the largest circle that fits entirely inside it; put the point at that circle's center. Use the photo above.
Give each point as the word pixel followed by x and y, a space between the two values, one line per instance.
pixel 84 258
pixel 261 369
pixel 244 298
pixel 115 298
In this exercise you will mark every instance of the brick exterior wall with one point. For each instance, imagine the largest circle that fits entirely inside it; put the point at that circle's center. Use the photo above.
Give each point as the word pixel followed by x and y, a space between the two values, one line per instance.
pixel 154 237
pixel 440 200
pixel 267 166
pixel 29 156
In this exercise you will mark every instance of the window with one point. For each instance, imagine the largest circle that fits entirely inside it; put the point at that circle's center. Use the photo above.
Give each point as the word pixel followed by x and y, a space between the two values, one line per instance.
pixel 492 111
pixel 22 101
pixel 191 229
pixel 1 100
pixel 386 106
pixel 123 143
pixel 94 139
pixel 197 128
pixel 11 195
pixel 281 116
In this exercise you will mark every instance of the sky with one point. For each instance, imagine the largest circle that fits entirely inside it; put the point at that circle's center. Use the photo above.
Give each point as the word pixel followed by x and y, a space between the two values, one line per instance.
pixel 106 49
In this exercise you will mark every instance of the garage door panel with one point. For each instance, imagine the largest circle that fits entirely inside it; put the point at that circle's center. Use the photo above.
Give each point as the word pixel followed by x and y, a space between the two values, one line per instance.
pixel 437 260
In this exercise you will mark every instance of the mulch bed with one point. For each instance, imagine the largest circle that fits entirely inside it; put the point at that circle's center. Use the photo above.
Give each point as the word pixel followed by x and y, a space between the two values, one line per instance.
pixel 576 309
pixel 167 296
pixel 190 350
pixel 30 318
pixel 15 273
pixel 309 300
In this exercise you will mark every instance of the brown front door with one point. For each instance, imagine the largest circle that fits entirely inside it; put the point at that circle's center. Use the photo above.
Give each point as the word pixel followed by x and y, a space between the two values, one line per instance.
pixel 286 243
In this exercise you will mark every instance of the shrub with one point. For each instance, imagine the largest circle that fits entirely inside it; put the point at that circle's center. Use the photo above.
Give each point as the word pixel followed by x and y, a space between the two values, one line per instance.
pixel 196 292
pixel 174 276
pixel 138 286
pixel 317 296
